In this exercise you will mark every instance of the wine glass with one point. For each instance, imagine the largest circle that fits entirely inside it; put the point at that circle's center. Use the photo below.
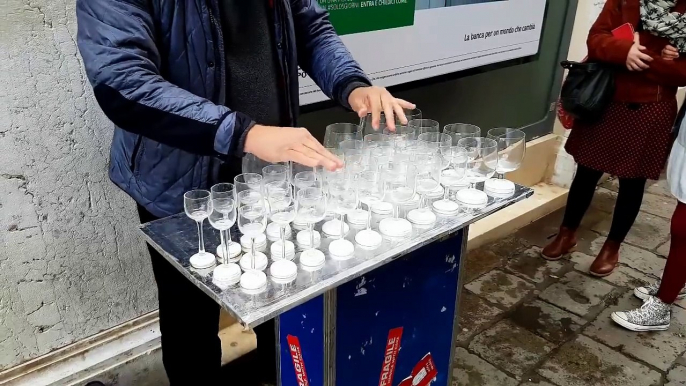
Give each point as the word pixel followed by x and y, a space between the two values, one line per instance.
pixel 222 218
pixel 282 208
pixel 222 191
pixel 252 221
pixel 429 167
pixel 399 178
pixel 482 160
pixel 339 132
pixel 252 164
pixel 511 152
pixel 311 209
pixel 248 181
pixel 424 126
pixel 461 130
pixel 435 141
pixel 452 175
pixel 198 205
pixel 370 192
pixel 274 172
pixel 343 200
pixel 410 114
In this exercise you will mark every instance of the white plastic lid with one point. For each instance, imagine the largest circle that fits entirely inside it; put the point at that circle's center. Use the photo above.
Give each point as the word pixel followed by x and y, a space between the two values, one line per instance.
pixel 333 228
pixel 382 208
pixel 395 227
pixel 303 239
pixel 234 251
pixel 276 250
pixel 499 188
pixel 254 281
pixel 472 198
pixel 312 259
pixel 227 273
pixel 341 249
pixel 446 207
pixel 283 270
pixel 260 241
pixel 421 217
pixel 368 238
pixel 358 217
pixel 203 260
pixel 260 262
pixel 274 231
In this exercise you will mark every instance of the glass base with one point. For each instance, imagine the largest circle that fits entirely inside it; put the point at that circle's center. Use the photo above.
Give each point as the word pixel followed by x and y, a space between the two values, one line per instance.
pixel 254 282
pixel 283 271
pixel 499 188
pixel 358 217
pixel 395 227
pixel 303 239
pixel 446 207
pixel 234 252
pixel 472 198
pixel 260 262
pixel 368 239
pixel 312 260
pixel 421 216
pixel 202 260
pixel 333 228
pixel 341 249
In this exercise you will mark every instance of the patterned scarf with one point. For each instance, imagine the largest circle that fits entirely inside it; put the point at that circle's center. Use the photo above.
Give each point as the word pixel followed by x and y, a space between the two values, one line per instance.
pixel 658 20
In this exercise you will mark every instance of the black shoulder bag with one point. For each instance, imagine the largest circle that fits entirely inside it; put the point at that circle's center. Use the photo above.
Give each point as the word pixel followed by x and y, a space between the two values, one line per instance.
pixel 587 90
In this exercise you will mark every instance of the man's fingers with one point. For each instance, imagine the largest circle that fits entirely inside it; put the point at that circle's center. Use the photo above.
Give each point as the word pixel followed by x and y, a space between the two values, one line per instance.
pixel 319 148
pixel 389 112
pixel 400 113
pixel 375 102
pixel 301 158
pixel 405 104
pixel 310 153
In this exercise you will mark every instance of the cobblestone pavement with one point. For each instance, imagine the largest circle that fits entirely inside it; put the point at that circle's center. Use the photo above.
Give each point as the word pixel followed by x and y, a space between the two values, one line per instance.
pixel 526 321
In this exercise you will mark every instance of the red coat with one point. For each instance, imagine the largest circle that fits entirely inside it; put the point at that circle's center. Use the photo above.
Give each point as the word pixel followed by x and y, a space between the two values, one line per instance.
pixel 661 80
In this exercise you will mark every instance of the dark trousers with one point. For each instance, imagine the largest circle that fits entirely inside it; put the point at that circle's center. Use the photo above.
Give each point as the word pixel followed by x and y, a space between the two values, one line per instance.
pixel 627 207
pixel 189 323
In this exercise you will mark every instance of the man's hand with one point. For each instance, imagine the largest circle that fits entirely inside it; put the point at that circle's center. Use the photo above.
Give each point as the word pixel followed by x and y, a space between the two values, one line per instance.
pixel 637 60
pixel 670 53
pixel 281 144
pixel 375 100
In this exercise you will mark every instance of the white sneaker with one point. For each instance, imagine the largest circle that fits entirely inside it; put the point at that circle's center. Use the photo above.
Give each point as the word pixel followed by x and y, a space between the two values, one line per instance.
pixel 644 293
pixel 653 315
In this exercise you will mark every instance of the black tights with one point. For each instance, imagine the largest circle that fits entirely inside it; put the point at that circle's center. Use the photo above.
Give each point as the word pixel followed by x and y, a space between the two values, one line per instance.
pixel 626 209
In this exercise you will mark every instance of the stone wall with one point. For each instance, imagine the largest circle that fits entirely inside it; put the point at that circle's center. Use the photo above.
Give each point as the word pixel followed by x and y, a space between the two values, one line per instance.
pixel 71 264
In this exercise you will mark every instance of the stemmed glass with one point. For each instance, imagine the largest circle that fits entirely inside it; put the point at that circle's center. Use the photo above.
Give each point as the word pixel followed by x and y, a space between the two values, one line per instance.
pixel 435 141
pixel 511 152
pixel 198 205
pixel 222 218
pixel 410 114
pixel 311 209
pixel 274 172
pixel 282 208
pixel 482 160
pixel 454 165
pixel 252 221
pixel 339 132
pixel 399 178
pixel 370 192
pixel 343 201
pixel 424 126
pixel 248 181
pixel 429 168
pixel 461 130
pixel 228 251
pixel 252 164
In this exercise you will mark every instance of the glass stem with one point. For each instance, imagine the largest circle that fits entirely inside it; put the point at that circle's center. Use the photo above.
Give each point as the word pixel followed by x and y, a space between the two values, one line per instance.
pixel 283 242
pixel 201 241
pixel 226 240
pixel 369 217
pixel 252 253
pixel 342 226
pixel 311 226
pixel 446 192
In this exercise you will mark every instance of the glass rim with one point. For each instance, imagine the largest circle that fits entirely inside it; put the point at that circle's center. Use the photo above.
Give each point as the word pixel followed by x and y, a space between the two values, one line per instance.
pixel 449 126
pixel 205 194
pixel 343 128
pixel 519 134
pixel 483 142
pixel 423 122
pixel 242 177
pixel 268 169
pixel 228 185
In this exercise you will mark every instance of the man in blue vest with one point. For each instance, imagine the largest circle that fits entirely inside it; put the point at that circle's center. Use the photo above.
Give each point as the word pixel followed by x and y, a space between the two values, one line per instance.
pixel 191 85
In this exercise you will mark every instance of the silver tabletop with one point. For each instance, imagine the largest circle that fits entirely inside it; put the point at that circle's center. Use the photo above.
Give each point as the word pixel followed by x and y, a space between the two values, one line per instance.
pixel 176 238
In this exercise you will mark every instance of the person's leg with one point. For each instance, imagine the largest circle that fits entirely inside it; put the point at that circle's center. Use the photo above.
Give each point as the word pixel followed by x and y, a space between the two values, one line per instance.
pixel 627 207
pixel 674 276
pixel 189 323
pixel 580 196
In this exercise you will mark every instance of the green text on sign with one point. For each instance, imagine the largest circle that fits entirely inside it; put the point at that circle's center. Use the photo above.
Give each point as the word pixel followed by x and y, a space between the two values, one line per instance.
pixel 353 16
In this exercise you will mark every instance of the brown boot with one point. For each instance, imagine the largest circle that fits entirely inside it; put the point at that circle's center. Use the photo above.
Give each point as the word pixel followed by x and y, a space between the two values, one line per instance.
pixel 607 260
pixel 564 244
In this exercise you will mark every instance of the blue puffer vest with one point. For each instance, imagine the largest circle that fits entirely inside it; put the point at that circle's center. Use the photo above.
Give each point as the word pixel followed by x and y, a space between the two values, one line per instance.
pixel 157 71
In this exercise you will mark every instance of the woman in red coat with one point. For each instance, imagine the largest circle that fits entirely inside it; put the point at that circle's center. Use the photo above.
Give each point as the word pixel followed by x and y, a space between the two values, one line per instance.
pixel 633 138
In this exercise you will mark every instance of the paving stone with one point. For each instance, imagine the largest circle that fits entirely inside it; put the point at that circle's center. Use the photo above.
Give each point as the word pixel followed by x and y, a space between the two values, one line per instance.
pixel 576 293
pixel 677 376
pixel 648 231
pixel 470 370
pixel 530 265
pixel 584 362
pixel 475 313
pixel 537 383
pixel 634 257
pixel 480 261
pixel 604 200
pixel 658 205
pixel 659 188
pixel 663 250
pixel 500 288
pixel 624 276
pixel 548 321
pixel 659 349
pixel 511 347
pixel 611 184
pixel 543 231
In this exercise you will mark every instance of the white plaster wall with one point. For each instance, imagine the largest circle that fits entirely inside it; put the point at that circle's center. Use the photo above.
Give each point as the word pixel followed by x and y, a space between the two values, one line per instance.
pixel 71 264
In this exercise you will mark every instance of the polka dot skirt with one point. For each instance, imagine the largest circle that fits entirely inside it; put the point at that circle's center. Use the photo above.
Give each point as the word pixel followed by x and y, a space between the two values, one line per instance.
pixel 630 141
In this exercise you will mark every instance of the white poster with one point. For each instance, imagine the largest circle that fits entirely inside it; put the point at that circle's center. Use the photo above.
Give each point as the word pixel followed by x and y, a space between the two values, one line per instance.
pixel 446 36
